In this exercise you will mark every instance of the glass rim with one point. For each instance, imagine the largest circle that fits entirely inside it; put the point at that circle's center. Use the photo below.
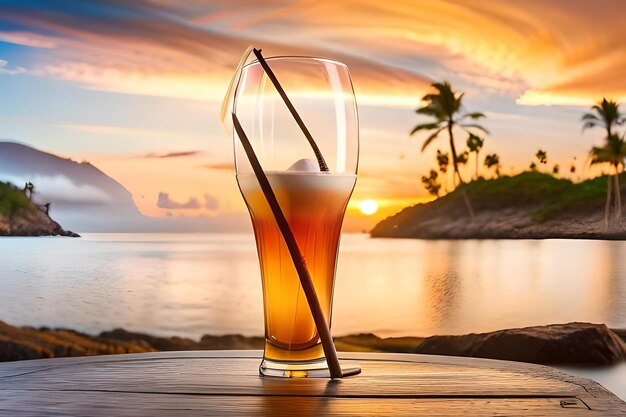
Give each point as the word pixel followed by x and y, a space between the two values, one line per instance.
pixel 297 58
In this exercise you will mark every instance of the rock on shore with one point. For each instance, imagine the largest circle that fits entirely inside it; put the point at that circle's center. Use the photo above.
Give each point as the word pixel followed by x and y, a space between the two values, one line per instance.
pixel 573 343
pixel 18 343
pixel 32 223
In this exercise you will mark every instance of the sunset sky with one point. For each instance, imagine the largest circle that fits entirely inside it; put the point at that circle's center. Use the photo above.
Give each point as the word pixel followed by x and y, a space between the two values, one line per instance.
pixel 135 87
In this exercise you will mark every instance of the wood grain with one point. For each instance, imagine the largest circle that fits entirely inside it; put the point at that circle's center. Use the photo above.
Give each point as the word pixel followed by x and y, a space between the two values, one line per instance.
pixel 227 383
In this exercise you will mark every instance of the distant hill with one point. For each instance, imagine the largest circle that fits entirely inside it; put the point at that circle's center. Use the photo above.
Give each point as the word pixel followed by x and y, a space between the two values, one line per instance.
pixel 82 197
pixel 530 205
pixel 85 199
pixel 21 217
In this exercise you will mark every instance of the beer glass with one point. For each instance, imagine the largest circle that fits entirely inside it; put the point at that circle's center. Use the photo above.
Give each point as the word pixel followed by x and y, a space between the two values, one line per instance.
pixel 312 193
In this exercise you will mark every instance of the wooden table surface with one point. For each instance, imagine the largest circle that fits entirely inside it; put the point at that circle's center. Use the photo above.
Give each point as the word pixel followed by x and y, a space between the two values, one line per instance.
pixel 226 383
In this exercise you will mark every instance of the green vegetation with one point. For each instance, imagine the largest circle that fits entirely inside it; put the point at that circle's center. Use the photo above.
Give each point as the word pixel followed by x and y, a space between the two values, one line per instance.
pixel 12 199
pixel 552 196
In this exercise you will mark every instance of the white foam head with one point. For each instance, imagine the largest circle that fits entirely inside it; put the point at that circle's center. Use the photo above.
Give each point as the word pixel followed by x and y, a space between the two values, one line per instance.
pixel 304 165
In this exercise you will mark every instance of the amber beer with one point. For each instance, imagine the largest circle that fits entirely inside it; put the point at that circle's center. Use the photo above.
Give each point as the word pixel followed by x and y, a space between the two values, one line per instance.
pixel 314 205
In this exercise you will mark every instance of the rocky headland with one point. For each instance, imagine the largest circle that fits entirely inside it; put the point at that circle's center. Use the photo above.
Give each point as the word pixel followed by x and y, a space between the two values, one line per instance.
pixel 19 216
pixel 530 205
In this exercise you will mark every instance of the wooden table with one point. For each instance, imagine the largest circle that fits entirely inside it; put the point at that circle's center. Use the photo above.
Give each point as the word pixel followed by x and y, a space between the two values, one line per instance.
pixel 226 383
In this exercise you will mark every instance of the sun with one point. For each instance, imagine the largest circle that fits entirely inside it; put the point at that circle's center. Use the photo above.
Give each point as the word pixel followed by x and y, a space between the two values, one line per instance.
pixel 368 207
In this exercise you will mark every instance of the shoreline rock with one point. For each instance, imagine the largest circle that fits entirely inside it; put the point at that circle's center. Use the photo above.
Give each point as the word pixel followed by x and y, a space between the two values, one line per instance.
pixel 572 343
pixel 32 223
pixel 513 224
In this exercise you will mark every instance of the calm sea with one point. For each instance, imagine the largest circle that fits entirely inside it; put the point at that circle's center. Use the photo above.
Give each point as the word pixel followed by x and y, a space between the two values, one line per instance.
pixel 193 284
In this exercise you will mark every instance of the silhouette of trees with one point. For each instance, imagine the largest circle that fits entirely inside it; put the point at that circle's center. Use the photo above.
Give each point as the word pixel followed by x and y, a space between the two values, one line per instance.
pixel 493 160
pixel 475 144
pixel 431 183
pixel 612 153
pixel 443 160
pixel 542 157
pixel 606 114
pixel 444 107
pixel 29 190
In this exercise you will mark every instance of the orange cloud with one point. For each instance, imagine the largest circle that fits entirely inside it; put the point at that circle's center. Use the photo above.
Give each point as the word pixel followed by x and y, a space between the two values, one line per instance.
pixel 547 52
pixel 180 154
pixel 555 52
pixel 169 58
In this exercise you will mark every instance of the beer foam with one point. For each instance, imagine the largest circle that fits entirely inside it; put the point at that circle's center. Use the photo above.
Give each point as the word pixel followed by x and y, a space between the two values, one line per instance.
pixel 304 165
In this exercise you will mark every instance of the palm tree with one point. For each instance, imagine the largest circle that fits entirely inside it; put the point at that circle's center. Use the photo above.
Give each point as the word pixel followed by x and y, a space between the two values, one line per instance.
pixel 431 184
pixel 475 144
pixel 463 158
pixel 29 188
pixel 443 160
pixel 542 157
pixel 444 106
pixel 607 115
pixel 613 153
pixel 493 160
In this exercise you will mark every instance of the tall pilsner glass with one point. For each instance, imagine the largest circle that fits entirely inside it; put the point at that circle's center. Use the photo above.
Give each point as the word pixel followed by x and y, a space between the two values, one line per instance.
pixel 314 202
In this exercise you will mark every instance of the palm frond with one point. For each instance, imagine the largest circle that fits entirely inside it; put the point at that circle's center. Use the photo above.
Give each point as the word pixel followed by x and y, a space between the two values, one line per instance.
pixel 424 126
pixel 590 116
pixel 589 124
pixel 474 115
pixel 432 137
pixel 473 126
pixel 428 110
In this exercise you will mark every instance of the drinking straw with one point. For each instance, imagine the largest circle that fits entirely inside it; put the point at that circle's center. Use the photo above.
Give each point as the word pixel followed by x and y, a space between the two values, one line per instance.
pixel 270 74
pixel 296 256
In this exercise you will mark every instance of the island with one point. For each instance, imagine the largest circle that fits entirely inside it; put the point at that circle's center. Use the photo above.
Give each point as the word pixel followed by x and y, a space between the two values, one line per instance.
pixel 530 205
pixel 19 216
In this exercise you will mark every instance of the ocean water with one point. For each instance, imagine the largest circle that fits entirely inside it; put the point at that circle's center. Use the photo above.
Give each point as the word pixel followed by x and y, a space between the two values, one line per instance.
pixel 194 284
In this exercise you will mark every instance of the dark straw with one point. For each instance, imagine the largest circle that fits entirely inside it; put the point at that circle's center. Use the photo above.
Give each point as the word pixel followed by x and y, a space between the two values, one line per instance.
pixel 270 74
pixel 296 255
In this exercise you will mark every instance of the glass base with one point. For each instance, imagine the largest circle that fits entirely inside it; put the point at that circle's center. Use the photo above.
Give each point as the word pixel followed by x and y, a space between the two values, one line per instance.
pixel 311 369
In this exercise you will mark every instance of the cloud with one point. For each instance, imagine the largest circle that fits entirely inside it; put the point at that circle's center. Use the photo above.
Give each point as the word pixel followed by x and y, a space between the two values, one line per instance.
pixel 10 71
pixel 220 166
pixel 544 52
pixel 165 202
pixel 59 189
pixel 180 154
pixel 27 39
pixel 161 54
pixel 211 202
pixel 556 52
